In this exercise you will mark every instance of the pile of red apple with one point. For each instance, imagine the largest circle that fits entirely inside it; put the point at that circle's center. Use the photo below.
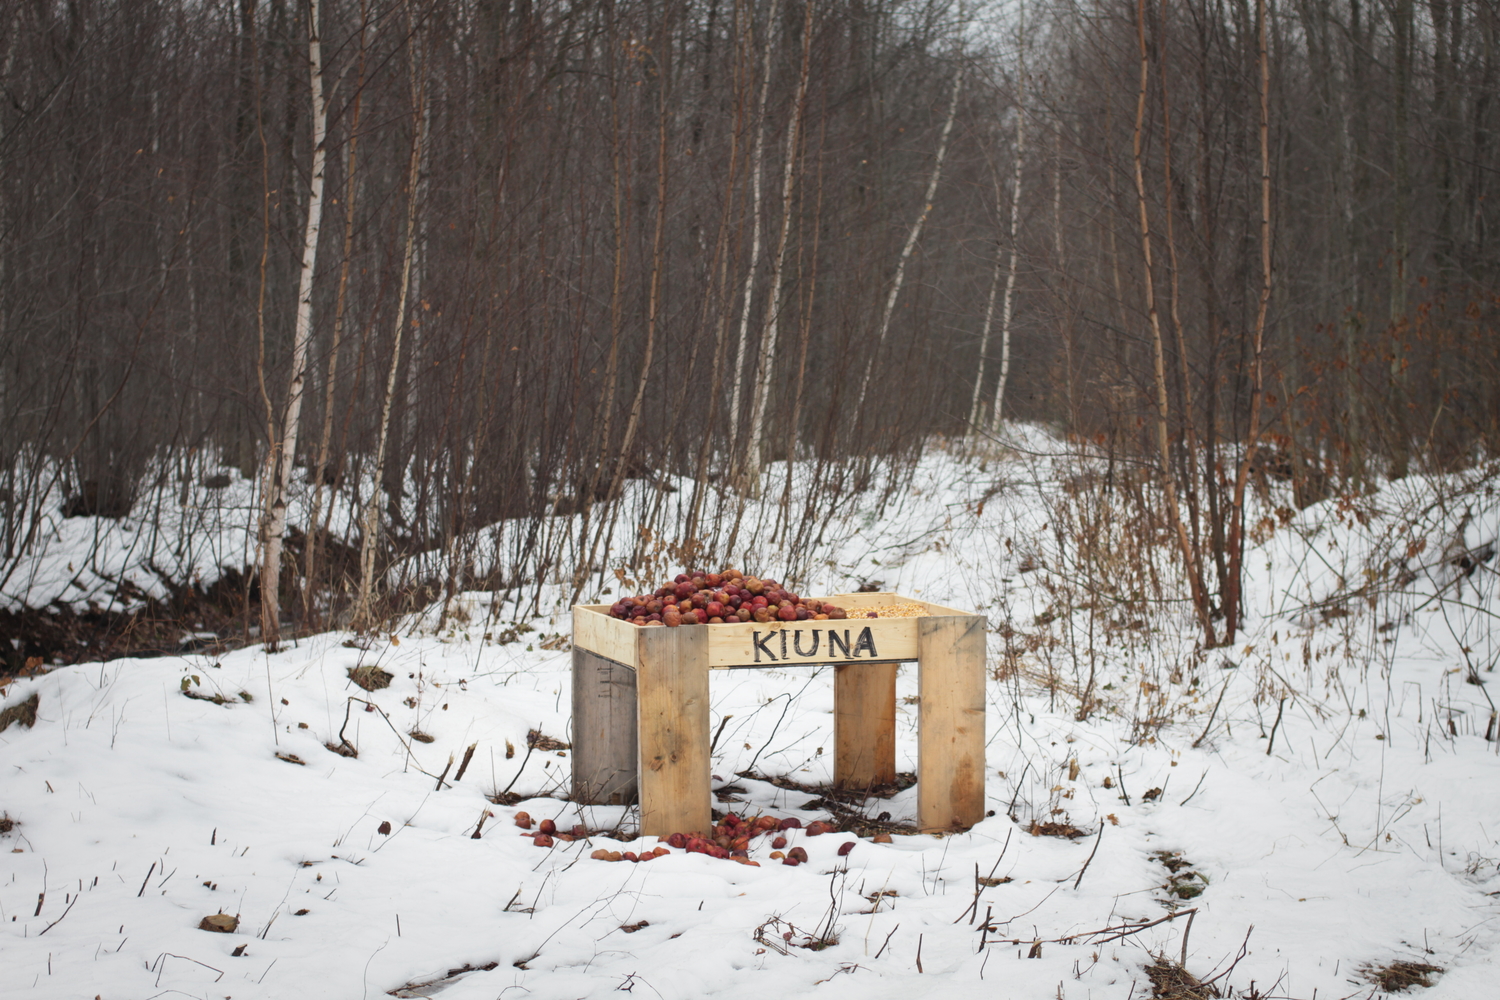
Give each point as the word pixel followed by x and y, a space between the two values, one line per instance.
pixel 725 597
pixel 729 841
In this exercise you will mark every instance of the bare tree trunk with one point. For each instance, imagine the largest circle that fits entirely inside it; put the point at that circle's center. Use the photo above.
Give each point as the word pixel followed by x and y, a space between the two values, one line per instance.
pixel 363 618
pixel 1401 23
pixel 325 443
pixel 911 241
pixel 1191 459
pixel 766 356
pixel 996 414
pixel 653 303
pixel 718 293
pixel 989 321
pixel 1232 607
pixel 756 155
pixel 1163 446
pixel 283 453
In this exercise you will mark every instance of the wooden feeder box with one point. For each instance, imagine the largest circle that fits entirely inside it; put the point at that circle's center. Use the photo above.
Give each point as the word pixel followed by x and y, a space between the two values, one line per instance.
pixel 641 721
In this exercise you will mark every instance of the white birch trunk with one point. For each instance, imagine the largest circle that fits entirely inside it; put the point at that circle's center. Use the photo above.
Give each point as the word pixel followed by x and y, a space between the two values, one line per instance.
pixel 1010 278
pixel 756 155
pixel 984 335
pixel 320 467
pixel 770 334
pixel 911 240
pixel 279 461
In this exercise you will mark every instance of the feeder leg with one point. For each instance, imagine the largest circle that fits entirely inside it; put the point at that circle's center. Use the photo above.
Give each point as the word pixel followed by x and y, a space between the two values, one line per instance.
pixel 672 700
pixel 950 761
pixel 604 740
pixel 864 724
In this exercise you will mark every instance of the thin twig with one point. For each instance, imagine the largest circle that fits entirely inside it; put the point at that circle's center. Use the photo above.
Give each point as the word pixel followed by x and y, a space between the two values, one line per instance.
pixel 1275 726
pixel 530 746
pixel 718 732
pixel 1097 839
pixel 1195 788
pixel 1211 715
pixel 1091 937
pixel 64 914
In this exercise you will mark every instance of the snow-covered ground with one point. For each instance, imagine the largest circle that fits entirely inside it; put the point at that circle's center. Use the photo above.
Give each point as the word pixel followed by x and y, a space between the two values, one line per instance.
pixel 1363 832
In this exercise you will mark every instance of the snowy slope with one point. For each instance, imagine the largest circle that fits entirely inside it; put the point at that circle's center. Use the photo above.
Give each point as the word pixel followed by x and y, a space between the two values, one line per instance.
pixel 1366 835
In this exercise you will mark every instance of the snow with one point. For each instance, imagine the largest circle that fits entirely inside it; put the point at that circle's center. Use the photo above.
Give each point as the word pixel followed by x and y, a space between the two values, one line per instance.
pixel 1366 835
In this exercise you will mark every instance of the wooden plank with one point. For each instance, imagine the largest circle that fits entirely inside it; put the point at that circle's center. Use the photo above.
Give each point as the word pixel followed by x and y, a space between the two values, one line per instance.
pixel 864 724
pixel 604 730
pixel 672 700
pixel 596 631
pixel 950 759
pixel 750 644
pixel 851 640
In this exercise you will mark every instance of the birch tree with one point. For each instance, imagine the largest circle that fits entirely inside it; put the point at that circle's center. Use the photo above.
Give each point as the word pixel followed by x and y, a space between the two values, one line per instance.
pixel 279 460
pixel 766 358
pixel 1010 280
pixel 911 240
pixel 757 152
pixel 325 442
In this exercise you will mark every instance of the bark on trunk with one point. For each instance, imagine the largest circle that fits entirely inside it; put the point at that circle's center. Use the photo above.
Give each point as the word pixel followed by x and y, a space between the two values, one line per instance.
pixel 911 242
pixel 364 608
pixel 766 356
pixel 283 453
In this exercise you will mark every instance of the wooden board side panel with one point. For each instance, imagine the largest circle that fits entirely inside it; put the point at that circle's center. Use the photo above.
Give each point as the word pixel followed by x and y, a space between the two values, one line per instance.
pixel 604 730
pixel 950 762
pixel 864 724
pixel 850 640
pixel 611 638
pixel 673 722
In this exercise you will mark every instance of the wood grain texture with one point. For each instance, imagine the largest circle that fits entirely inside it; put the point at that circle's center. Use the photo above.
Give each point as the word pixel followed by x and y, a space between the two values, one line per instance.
pixel 811 643
pixel 807 643
pixel 950 761
pixel 672 700
pixel 864 724
pixel 604 730
pixel 596 631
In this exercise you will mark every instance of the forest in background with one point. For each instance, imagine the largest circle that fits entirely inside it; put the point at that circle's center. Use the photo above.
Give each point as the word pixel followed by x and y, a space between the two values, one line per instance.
pixel 455 262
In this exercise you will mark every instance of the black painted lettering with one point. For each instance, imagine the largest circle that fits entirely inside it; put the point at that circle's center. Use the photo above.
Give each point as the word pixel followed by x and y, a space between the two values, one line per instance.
pixel 866 641
pixel 783 644
pixel 761 647
pixel 797 643
pixel 842 644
